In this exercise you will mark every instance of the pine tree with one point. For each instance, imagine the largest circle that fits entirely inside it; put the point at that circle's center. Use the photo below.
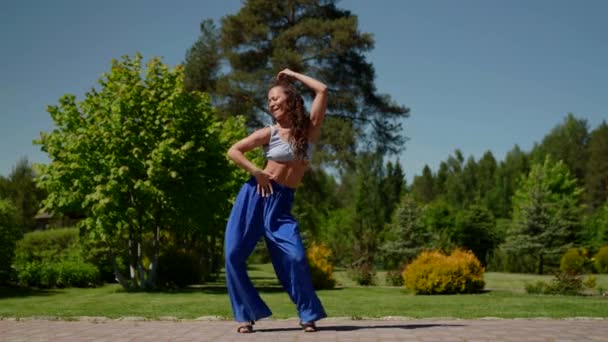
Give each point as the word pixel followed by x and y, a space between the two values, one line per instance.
pixel 596 178
pixel 546 212
pixel 310 36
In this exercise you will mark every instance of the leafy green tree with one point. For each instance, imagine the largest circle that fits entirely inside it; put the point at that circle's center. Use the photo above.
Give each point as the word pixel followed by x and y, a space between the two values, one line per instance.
pixel 567 142
pixel 423 186
pixel 596 177
pixel 20 188
pixel 392 186
pixel 236 61
pixel 455 188
pixel 406 236
pixel 546 212
pixel 315 200
pixel 439 220
pixel 508 174
pixel 141 158
pixel 9 234
pixel 475 230
pixel 368 209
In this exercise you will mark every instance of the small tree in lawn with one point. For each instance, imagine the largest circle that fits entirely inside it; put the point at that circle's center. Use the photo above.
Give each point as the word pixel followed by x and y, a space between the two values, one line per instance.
pixel 141 158
pixel 405 236
pixel 546 212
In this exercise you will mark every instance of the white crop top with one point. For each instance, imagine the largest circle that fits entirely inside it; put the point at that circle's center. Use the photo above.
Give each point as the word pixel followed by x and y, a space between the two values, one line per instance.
pixel 280 150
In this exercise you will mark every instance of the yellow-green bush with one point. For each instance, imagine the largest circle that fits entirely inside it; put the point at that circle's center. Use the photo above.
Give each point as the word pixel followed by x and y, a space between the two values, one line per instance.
pixel 573 261
pixel 321 270
pixel 433 272
pixel 601 260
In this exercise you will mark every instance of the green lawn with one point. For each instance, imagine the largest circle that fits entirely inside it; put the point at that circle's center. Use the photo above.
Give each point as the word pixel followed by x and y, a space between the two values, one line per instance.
pixel 505 298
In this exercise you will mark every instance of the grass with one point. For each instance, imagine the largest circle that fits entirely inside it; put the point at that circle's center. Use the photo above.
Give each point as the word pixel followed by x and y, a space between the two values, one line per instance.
pixel 505 298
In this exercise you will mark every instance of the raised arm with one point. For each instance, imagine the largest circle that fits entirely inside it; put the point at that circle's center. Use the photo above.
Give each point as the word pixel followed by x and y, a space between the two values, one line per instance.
pixel 319 103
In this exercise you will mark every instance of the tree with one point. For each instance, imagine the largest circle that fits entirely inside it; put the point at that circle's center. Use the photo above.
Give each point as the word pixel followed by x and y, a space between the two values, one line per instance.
pixel 475 230
pixel 439 220
pixel 406 236
pixel 392 186
pixel 596 176
pixel 235 63
pixel 423 188
pixel 508 174
pixel 9 234
pixel 21 190
pixel 567 142
pixel 546 212
pixel 141 158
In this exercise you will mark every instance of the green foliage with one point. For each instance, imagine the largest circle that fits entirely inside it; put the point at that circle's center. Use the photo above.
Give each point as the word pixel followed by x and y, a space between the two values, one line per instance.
pixel 563 283
pixel 594 231
pixel 601 260
pixel 179 268
pixel 475 231
pixel 49 246
pixel 574 261
pixel 394 278
pixel 423 187
pixel 59 274
pixel 438 219
pixel 405 236
pixel 546 213
pixel 19 187
pixel 433 272
pixel 141 157
pixel 9 235
pixel 363 274
pixel 567 142
pixel 596 175
pixel 313 37
pixel 321 269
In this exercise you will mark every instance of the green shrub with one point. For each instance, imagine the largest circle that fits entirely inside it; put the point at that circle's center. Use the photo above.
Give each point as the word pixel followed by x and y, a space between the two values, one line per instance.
pixel 433 272
pixel 59 274
pixel 564 283
pixel 574 261
pixel 393 278
pixel 178 268
pixel 601 260
pixel 538 287
pixel 54 258
pixel 321 270
pixel 363 274
pixel 53 245
pixel 9 234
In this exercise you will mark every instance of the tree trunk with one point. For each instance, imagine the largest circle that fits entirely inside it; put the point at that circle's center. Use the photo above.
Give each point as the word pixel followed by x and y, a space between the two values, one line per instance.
pixel 124 282
pixel 540 264
pixel 132 261
pixel 151 281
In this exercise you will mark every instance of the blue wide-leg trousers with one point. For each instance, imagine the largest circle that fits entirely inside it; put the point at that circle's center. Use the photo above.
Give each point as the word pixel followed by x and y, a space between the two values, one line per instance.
pixel 252 217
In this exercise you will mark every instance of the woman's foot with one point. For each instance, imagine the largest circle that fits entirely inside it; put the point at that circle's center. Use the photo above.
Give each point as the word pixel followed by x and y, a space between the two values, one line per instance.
pixel 245 327
pixel 308 326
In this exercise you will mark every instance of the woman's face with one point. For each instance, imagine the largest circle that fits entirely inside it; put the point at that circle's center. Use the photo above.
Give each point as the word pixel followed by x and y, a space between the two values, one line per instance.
pixel 277 102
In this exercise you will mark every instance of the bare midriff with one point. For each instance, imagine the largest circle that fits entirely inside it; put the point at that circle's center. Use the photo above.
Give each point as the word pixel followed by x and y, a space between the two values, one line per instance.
pixel 289 173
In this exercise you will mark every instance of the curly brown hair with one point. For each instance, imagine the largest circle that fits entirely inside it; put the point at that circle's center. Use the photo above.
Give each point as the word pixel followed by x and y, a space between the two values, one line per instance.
pixel 300 122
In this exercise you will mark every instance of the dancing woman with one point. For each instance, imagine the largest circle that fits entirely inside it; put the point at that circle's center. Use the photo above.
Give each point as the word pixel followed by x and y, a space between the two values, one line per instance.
pixel 263 205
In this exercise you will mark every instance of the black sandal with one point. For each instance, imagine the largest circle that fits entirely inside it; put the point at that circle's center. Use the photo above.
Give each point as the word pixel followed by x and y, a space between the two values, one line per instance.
pixel 245 329
pixel 308 326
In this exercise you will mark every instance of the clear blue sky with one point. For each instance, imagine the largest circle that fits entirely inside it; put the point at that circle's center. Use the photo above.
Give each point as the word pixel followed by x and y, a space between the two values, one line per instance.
pixel 478 74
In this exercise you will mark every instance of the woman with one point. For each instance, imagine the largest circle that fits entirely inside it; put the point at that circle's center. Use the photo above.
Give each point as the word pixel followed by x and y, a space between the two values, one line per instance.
pixel 262 207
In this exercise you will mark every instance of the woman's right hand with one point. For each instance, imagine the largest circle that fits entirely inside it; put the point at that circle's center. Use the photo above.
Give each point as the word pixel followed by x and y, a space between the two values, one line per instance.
pixel 264 186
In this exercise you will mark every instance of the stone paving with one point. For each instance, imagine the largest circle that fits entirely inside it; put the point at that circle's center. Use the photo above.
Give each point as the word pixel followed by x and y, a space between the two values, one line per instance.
pixel 333 329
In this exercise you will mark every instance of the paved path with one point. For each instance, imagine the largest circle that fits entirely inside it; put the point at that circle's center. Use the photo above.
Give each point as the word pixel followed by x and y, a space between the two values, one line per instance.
pixel 341 330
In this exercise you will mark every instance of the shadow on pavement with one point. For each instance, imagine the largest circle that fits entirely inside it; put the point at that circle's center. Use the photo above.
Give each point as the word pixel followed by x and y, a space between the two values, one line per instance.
pixel 362 327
